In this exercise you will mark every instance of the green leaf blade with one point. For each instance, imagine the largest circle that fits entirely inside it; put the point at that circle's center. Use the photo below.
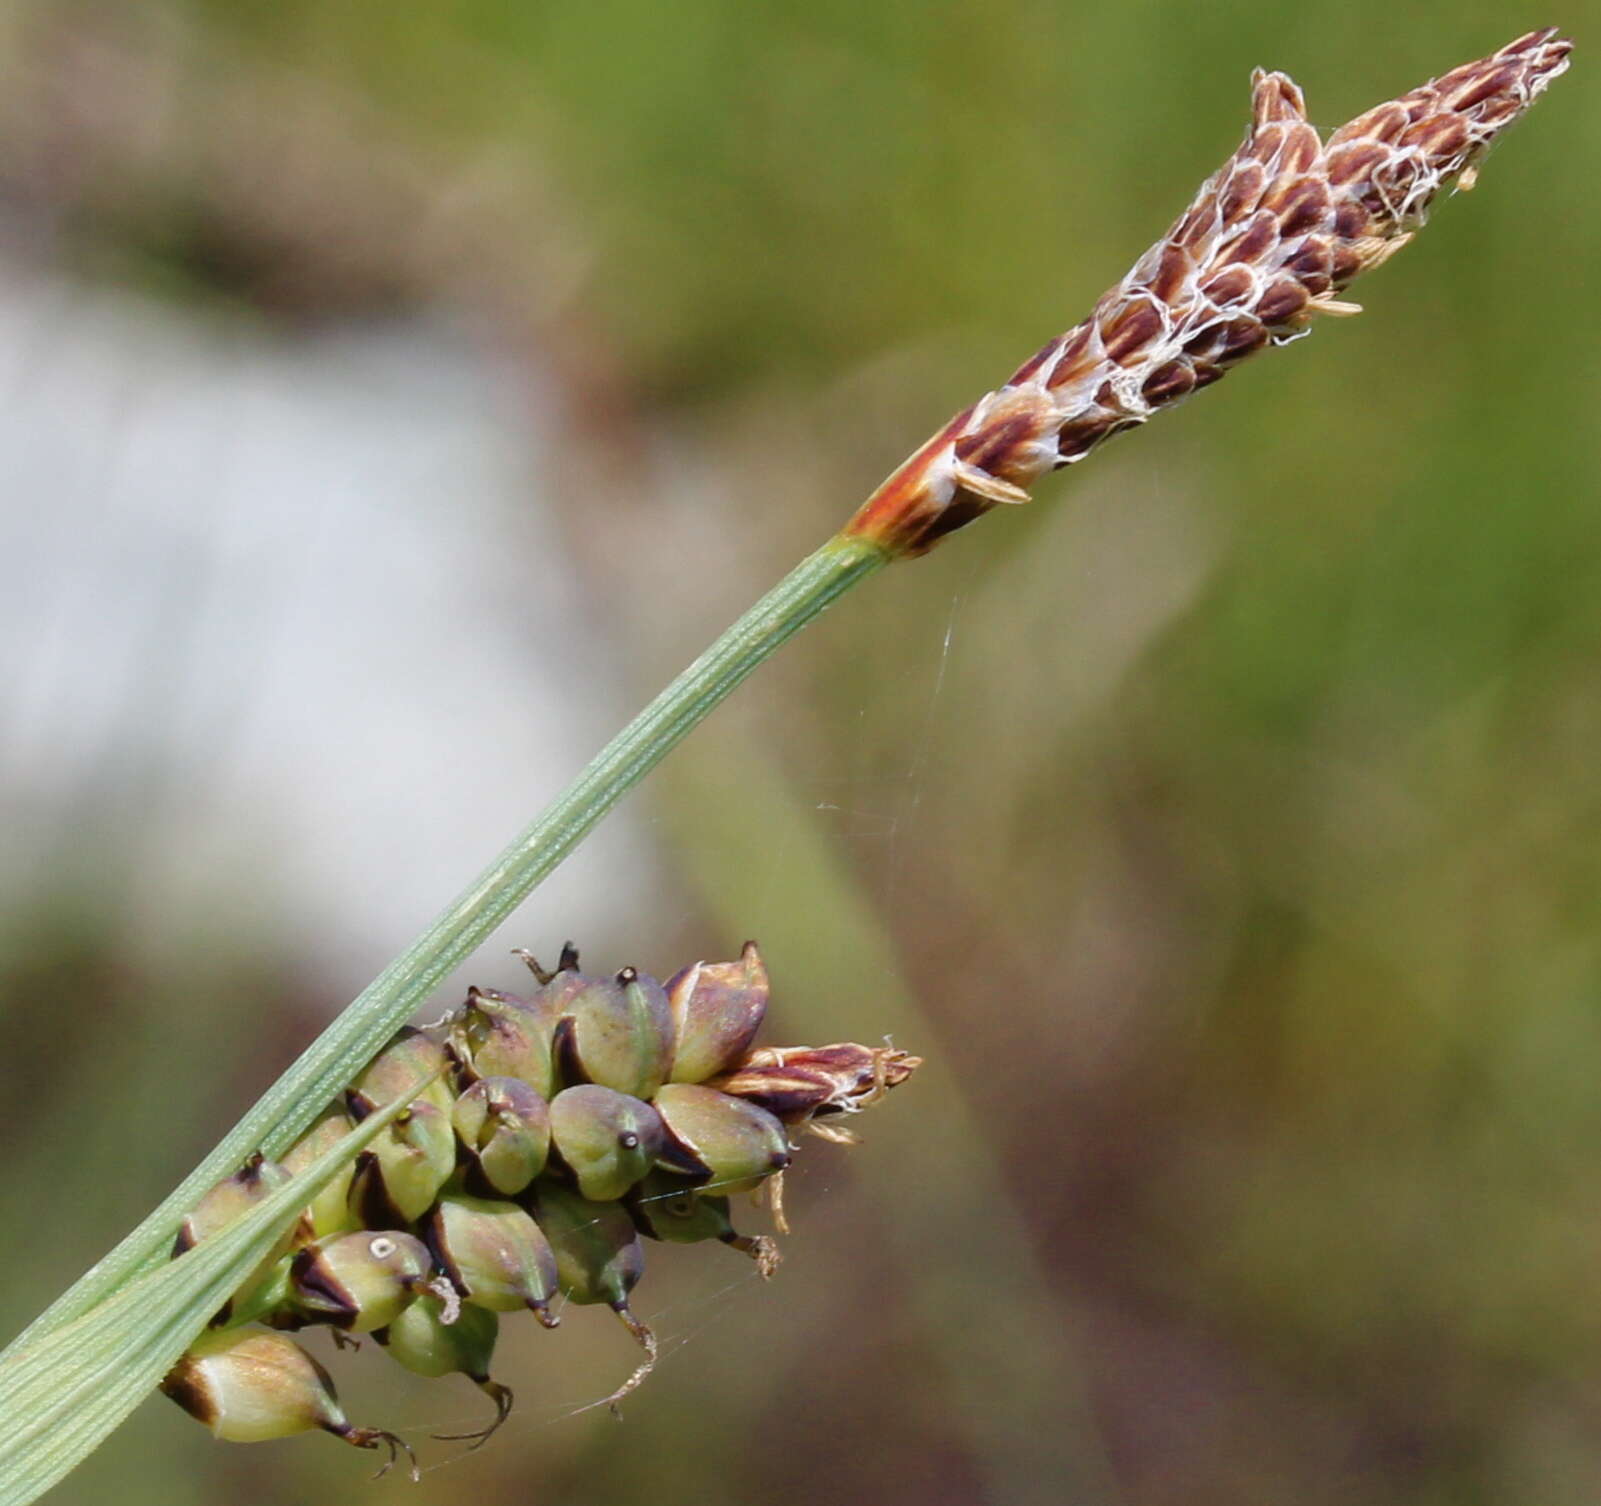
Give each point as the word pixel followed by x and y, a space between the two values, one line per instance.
pixel 67 1390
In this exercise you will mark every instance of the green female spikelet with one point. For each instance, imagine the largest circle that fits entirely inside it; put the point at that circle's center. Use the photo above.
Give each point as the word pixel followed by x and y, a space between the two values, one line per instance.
pixel 556 1131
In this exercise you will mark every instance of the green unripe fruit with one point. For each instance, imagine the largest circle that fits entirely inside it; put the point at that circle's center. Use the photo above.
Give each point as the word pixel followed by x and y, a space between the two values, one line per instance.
pixel 672 1209
pixel 504 1127
pixel 500 1035
pixel 329 1212
pixel 361 1281
pixel 248 1385
pixel 425 1344
pixel 607 1139
pixel 737 1143
pixel 617 1032
pixel 717 1008
pixel 399 1175
pixel 230 1199
pixel 598 1259
pixel 494 1254
pixel 408 1059
pixel 666 1207
pixel 598 1254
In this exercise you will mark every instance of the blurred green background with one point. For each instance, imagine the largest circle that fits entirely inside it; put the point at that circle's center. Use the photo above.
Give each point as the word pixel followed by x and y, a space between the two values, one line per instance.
pixel 395 395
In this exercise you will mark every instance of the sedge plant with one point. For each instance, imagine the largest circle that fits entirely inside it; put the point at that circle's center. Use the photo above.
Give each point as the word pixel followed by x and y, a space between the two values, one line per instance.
pixel 1268 247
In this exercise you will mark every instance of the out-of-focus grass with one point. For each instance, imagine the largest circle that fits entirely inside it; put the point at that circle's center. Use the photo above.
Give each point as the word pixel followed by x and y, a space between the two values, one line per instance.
pixel 1232 811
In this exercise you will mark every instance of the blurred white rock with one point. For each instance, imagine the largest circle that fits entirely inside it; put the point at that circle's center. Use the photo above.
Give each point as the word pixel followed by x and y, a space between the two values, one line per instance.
pixel 288 621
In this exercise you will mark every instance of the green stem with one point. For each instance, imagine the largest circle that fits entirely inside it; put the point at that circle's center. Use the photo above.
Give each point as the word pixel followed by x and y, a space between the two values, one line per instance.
pixel 323 1070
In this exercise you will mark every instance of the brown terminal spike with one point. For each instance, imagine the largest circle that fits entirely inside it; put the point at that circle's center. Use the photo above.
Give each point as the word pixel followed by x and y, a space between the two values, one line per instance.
pixel 1270 241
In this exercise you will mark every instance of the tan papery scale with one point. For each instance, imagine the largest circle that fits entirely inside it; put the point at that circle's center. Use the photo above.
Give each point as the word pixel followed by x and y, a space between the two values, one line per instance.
pixel 1271 240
